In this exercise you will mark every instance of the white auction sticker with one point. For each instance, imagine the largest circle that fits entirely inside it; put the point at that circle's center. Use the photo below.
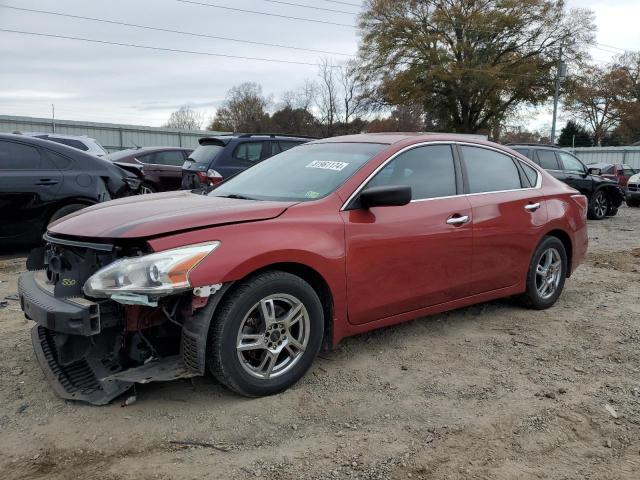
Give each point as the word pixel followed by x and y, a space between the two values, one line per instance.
pixel 327 165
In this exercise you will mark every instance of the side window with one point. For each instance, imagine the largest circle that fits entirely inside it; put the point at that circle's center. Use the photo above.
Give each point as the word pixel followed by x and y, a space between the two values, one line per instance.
pixel 55 160
pixel 490 171
pixel 249 151
pixel 524 151
pixel 547 160
pixel 571 163
pixel 17 156
pixel 78 145
pixel 169 157
pixel 287 145
pixel 429 171
pixel 149 158
pixel 530 173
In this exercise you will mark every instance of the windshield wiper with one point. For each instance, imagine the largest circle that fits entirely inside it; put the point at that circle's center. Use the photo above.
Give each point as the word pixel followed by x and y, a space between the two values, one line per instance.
pixel 237 196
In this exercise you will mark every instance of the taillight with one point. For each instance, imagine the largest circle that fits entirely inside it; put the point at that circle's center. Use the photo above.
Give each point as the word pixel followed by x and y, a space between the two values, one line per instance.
pixel 214 177
pixel 582 202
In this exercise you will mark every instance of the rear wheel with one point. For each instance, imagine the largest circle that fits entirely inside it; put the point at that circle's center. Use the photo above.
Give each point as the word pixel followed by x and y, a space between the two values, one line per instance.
pixel 146 188
pixel 266 334
pixel 546 275
pixel 612 211
pixel 598 206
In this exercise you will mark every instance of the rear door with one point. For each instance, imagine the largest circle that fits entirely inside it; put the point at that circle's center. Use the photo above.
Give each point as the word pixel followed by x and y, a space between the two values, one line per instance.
pixel 400 259
pixel 508 214
pixel 29 184
pixel 575 173
pixel 243 155
pixel 166 167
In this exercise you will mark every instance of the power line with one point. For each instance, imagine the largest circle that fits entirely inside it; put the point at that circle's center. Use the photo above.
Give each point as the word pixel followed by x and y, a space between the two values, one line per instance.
pixel 234 9
pixel 343 3
pixel 291 4
pixel 167 30
pixel 163 49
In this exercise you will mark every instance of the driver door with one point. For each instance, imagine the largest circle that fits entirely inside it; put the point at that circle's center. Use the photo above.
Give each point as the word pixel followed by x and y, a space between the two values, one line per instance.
pixel 405 258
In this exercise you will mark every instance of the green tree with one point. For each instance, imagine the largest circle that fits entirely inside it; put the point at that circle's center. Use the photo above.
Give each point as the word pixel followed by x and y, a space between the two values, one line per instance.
pixel 574 135
pixel 467 62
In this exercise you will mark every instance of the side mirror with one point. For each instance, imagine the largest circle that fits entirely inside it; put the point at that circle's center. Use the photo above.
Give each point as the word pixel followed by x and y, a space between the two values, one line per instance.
pixel 385 196
pixel 595 171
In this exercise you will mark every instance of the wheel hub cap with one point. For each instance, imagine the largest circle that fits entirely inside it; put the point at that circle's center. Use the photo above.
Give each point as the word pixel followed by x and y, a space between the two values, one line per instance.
pixel 548 273
pixel 273 335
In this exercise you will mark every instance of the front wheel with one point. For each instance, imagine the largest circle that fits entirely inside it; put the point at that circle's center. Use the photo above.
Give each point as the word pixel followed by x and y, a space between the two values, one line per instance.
pixel 598 206
pixel 546 275
pixel 266 335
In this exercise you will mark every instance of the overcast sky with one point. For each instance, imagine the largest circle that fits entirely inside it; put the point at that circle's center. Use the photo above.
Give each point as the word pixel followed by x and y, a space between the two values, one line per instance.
pixel 107 83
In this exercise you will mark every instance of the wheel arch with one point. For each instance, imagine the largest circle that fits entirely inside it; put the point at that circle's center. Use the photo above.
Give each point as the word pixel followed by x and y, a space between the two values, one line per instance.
pixel 313 278
pixel 568 245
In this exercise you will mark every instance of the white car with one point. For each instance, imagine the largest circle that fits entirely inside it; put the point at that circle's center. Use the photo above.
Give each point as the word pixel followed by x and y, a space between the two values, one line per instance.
pixel 79 142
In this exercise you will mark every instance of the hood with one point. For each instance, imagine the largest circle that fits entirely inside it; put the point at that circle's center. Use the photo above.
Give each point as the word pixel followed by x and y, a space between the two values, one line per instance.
pixel 162 213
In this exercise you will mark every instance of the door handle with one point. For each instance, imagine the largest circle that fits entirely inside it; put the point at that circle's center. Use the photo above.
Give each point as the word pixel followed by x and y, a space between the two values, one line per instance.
pixel 532 207
pixel 47 181
pixel 459 220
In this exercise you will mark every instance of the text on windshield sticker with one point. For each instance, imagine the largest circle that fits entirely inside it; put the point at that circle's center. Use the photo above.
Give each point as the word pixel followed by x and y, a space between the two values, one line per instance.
pixel 327 165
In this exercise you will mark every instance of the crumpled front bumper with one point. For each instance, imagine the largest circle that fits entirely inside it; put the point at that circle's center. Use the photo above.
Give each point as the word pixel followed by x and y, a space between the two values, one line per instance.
pixel 89 371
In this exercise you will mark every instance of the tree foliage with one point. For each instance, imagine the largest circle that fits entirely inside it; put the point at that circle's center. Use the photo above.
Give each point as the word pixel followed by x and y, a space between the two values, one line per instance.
pixel 185 119
pixel 467 62
pixel 574 135
pixel 243 110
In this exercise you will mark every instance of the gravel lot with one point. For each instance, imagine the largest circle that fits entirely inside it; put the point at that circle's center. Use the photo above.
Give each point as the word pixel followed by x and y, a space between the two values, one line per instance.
pixel 490 391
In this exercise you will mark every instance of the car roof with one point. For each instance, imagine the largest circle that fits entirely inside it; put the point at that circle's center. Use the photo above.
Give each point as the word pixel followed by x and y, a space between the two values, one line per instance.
pixel 41 142
pixel 225 139
pixel 149 149
pixel 391 138
pixel 539 146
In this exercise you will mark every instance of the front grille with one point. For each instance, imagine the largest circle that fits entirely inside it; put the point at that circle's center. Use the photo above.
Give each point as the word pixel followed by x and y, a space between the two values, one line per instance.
pixel 634 187
pixel 74 378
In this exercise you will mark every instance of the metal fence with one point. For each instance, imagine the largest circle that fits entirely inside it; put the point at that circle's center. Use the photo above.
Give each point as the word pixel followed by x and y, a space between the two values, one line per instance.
pixel 626 155
pixel 111 136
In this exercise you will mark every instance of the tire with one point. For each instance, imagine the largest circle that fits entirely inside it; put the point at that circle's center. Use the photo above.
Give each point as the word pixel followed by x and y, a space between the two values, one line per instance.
pixel 146 188
pixel 263 366
pixel 612 211
pixel 535 296
pixel 66 210
pixel 633 203
pixel 598 205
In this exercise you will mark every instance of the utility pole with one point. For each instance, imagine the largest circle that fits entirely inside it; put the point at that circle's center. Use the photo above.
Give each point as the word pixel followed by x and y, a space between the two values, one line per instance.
pixel 53 117
pixel 561 73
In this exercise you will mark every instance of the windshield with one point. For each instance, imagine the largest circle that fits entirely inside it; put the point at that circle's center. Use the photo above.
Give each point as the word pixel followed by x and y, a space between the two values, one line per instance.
pixel 306 172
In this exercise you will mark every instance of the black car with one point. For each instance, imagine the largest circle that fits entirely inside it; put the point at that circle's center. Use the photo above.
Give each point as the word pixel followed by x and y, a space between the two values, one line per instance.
pixel 159 168
pixel 42 181
pixel 605 196
pixel 220 157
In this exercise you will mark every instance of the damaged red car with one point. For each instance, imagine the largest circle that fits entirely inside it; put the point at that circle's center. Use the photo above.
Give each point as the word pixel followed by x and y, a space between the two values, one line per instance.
pixel 329 239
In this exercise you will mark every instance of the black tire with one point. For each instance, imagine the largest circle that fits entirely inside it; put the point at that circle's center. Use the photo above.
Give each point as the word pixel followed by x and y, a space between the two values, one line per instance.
pixel 598 205
pixel 66 210
pixel 146 188
pixel 612 211
pixel 222 356
pixel 532 297
pixel 633 203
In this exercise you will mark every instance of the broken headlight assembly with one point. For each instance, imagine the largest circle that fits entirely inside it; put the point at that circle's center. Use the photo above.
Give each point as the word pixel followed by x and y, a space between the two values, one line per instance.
pixel 154 275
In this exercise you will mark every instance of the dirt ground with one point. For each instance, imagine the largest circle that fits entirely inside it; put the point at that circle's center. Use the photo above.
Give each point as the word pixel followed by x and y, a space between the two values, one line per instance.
pixel 490 391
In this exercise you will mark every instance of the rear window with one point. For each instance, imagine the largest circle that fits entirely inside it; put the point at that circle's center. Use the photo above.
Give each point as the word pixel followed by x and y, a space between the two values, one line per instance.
pixel 202 156
pixel 78 145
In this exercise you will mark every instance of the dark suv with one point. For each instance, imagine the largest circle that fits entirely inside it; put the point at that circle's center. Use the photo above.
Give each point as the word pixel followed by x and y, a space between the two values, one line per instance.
pixel 42 181
pixel 159 168
pixel 220 157
pixel 605 196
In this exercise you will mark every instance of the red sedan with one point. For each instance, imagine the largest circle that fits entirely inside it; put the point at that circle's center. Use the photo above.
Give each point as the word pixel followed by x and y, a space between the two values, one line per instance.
pixel 329 239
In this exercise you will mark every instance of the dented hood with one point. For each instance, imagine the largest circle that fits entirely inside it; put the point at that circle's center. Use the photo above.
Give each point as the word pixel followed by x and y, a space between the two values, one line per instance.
pixel 163 213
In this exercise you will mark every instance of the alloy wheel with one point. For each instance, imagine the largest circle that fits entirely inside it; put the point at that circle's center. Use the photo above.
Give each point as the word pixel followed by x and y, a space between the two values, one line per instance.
pixel 600 205
pixel 144 190
pixel 548 273
pixel 273 336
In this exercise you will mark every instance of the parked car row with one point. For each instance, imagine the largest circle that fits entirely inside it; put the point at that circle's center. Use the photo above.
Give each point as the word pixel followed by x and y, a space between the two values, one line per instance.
pixel 605 194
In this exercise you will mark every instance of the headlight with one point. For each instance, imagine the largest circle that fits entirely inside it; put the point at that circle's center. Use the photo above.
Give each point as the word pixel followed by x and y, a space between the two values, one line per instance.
pixel 157 274
pixel 634 178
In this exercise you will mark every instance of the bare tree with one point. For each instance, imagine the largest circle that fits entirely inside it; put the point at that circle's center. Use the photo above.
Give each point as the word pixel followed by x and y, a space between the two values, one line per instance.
pixel 185 118
pixel 353 100
pixel 328 95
